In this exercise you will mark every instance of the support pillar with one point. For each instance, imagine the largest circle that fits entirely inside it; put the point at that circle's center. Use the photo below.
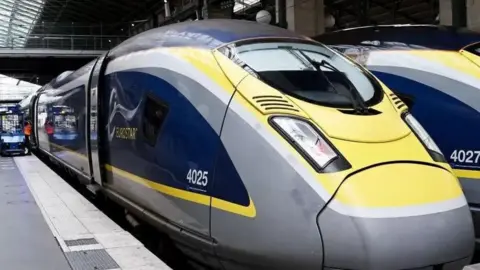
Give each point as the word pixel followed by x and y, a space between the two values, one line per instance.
pixel 220 9
pixel 445 16
pixel 306 17
pixel 453 12
pixel 473 11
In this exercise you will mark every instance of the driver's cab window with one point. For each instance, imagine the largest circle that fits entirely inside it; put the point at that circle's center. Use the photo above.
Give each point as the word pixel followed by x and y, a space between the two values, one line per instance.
pixel 475 49
pixel 309 71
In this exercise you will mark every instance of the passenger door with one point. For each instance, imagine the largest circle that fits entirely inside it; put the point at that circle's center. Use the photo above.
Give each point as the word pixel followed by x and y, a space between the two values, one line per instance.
pixel 93 120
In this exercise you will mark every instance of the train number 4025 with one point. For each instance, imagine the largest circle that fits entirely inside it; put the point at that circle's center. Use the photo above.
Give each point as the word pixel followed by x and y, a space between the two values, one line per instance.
pixel 197 177
pixel 465 156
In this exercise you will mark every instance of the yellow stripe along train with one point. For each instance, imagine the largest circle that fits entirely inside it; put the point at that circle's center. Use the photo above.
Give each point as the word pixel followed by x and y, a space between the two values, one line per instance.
pixel 251 147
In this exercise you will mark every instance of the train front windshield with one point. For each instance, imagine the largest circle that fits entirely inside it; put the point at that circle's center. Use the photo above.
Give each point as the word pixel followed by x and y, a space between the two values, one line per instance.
pixel 306 70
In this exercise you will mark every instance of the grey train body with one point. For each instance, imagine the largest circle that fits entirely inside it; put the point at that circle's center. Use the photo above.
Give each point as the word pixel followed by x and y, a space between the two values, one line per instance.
pixel 289 223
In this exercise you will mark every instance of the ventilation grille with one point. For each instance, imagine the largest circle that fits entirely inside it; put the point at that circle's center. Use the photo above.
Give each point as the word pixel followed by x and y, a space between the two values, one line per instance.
pixel 397 102
pixel 272 104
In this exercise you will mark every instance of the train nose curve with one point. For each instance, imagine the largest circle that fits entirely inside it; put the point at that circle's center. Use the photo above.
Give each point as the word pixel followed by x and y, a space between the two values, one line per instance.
pixel 397 216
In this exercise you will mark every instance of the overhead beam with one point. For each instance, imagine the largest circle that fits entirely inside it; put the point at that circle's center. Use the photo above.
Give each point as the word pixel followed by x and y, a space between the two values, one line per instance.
pixel 397 12
pixel 362 16
pixel 335 5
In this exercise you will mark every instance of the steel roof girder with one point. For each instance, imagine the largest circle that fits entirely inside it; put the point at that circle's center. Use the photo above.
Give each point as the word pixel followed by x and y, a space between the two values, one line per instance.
pixel 404 15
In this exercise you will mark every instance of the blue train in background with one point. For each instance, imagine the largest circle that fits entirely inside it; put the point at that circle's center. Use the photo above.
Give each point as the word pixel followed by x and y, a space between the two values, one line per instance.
pixel 435 71
pixel 12 136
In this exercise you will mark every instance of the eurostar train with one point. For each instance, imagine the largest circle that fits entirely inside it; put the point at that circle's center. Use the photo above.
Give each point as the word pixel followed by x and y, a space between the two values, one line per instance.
pixel 252 147
pixel 435 70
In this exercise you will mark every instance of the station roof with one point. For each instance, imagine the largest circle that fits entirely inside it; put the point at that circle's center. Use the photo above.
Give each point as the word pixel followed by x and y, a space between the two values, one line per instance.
pixel 86 16
pixel 17 17
pixel 100 24
pixel 22 20
pixel 34 23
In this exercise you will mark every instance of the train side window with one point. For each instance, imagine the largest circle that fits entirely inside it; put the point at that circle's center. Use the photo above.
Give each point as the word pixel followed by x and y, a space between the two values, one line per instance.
pixel 154 115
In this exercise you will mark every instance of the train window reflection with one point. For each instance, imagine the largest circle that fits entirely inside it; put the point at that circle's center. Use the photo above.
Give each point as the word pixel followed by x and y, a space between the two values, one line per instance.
pixel 65 122
pixel 309 71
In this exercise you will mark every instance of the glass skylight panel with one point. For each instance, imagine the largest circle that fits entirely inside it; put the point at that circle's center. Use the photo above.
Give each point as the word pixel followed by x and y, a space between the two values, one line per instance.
pixel 18 42
pixel 22 31
pixel 35 7
pixel 27 9
pixel 24 17
pixel 5 14
pixel 6 5
pixel 34 3
pixel 19 29
pixel 250 2
pixel 244 4
pixel 17 23
pixel 13 89
pixel 238 6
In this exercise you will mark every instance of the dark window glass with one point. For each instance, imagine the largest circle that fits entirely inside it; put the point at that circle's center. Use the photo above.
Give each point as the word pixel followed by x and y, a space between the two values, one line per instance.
pixel 309 71
pixel 154 115
pixel 475 49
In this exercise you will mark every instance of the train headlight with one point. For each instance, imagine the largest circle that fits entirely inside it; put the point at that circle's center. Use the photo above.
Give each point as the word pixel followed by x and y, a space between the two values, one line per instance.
pixel 425 138
pixel 306 139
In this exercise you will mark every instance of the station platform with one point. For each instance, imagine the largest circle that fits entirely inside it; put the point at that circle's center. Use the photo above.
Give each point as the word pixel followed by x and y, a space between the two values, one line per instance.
pixel 45 224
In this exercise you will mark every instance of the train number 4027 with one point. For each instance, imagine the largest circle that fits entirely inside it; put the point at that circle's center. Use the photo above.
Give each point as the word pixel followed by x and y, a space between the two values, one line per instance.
pixel 197 177
pixel 465 156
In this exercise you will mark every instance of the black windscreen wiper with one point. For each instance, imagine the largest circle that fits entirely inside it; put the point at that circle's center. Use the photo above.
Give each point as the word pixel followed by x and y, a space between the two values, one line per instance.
pixel 357 103
pixel 312 62
pixel 351 88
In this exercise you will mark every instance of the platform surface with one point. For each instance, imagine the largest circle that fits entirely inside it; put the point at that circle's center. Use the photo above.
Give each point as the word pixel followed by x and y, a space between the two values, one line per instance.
pixel 88 239
pixel 26 242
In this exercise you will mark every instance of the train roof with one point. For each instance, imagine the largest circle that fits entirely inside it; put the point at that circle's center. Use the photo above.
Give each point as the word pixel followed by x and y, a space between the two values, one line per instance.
pixel 419 35
pixel 408 26
pixel 213 33
pixel 209 34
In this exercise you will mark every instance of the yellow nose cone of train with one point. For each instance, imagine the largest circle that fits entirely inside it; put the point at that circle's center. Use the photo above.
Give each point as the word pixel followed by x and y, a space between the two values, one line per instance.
pixel 399 185
pixel 382 127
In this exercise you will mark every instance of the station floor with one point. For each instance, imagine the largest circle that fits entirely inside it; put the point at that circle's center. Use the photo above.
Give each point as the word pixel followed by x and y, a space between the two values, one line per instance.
pixel 45 224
